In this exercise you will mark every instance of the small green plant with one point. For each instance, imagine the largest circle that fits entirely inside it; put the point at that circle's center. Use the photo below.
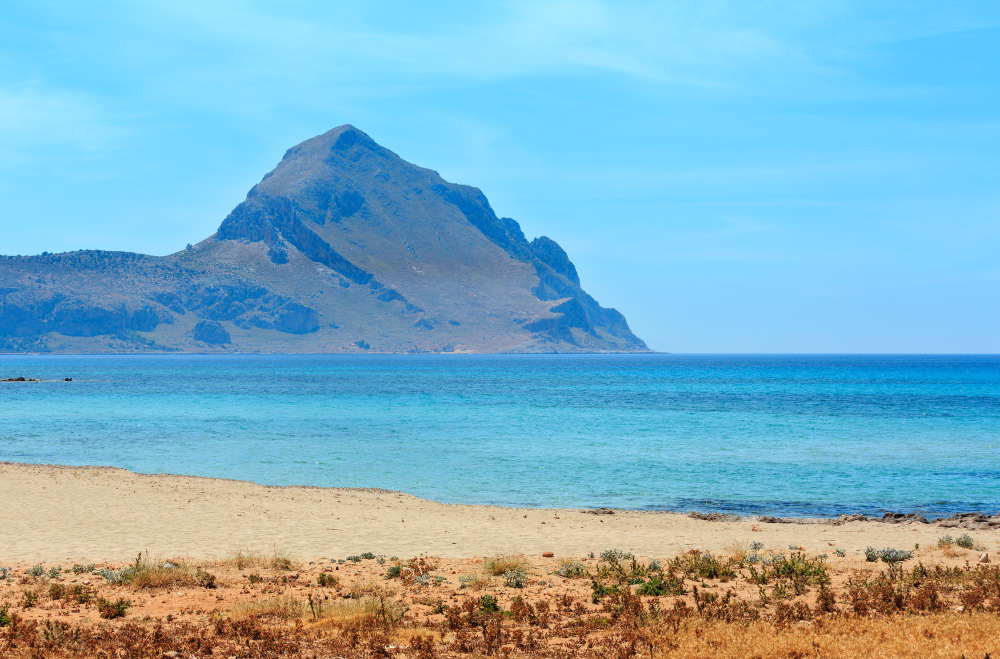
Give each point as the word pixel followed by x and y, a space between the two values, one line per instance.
pixel 54 572
pixel 253 577
pixel 599 590
pixel 326 580
pixel 36 570
pixel 368 556
pixel 57 591
pixel 615 556
pixel 29 598
pixel 80 594
pixel 840 552
pixel 965 541
pixel 571 570
pixel 83 569
pixel 394 572
pixel 514 578
pixel 888 555
pixel 116 609
pixel 489 604
pixel 657 586
pixel 5 619
pixel 354 559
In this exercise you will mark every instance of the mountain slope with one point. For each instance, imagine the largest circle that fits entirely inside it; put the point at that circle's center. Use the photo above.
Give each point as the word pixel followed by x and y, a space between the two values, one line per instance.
pixel 343 247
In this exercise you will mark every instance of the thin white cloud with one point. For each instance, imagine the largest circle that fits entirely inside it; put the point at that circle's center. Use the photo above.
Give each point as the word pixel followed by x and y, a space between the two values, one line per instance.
pixel 33 118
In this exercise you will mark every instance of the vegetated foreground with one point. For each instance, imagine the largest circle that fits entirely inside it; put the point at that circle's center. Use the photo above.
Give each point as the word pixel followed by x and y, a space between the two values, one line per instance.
pixel 753 600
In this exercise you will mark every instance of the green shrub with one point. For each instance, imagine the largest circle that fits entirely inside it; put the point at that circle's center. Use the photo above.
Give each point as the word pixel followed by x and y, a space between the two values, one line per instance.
pixel 615 556
pixel 36 570
pixel 571 570
pixel 5 619
pixel 394 572
pixel 325 580
pixel 368 556
pixel 489 604
pixel 965 541
pixel 888 555
pixel 109 609
pixel 57 591
pixel 656 586
pixel 514 578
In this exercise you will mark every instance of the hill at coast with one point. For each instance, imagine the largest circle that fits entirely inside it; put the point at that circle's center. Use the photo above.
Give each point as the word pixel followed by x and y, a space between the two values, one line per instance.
pixel 343 247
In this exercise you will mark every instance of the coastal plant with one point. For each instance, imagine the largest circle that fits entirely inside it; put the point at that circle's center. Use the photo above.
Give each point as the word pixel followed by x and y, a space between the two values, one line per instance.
pixel 354 559
pixel 489 604
pixel 54 572
pixel 615 556
pixel 5 617
pixel 327 580
pixel 657 585
pixel 112 609
pixel 83 569
pixel 888 555
pixel 36 570
pixel 840 552
pixel 80 594
pixel 57 591
pixel 514 578
pixel 756 546
pixel 696 564
pixel 571 570
pixel 394 572
pixel 29 598
pixel 945 541
pixel 965 541
pixel 368 556
pixel 5 573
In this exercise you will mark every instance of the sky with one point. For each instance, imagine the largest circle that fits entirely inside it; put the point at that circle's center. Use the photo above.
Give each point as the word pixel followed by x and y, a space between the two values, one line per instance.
pixel 733 176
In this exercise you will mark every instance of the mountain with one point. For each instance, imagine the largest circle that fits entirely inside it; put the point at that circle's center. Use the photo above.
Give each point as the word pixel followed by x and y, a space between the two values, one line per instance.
pixel 343 247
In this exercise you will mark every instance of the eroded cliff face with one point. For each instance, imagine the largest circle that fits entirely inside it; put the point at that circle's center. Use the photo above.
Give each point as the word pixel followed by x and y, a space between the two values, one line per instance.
pixel 343 247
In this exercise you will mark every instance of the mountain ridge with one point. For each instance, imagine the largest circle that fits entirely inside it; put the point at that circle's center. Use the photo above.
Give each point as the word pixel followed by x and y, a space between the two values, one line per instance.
pixel 342 247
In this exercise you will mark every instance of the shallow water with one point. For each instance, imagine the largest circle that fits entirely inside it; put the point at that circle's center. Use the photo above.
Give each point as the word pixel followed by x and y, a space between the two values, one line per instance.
pixel 782 435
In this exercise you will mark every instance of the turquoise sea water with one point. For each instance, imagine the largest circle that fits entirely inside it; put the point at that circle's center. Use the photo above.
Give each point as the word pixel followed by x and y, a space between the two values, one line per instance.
pixel 784 435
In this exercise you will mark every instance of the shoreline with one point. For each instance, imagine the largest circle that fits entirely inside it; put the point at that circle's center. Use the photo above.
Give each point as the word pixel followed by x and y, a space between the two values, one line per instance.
pixel 965 519
pixel 80 513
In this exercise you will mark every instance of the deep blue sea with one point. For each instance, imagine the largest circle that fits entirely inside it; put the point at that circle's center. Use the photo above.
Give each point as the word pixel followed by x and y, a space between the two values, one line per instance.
pixel 755 434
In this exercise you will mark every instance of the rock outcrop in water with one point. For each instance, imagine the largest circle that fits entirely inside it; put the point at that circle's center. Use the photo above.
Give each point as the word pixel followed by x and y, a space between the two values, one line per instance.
pixel 343 247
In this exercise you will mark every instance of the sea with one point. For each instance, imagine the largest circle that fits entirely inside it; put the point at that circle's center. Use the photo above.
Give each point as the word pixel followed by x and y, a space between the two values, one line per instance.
pixel 783 435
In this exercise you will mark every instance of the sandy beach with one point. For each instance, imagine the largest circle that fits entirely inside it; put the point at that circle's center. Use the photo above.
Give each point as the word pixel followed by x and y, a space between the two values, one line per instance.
pixel 101 513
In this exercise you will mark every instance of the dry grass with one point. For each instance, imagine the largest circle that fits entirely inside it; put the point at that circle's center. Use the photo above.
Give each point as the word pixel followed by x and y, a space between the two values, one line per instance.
pixel 278 608
pixel 940 635
pixel 501 563
pixel 244 558
pixel 376 610
pixel 693 605
pixel 738 550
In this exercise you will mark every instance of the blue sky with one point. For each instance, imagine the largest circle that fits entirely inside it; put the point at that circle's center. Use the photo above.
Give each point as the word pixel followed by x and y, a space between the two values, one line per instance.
pixel 733 176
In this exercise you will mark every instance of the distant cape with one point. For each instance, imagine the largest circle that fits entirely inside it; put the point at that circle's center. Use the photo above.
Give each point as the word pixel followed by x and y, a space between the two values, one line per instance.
pixel 343 247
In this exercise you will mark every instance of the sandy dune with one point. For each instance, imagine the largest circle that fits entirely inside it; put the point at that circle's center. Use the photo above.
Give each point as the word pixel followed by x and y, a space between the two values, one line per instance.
pixel 55 513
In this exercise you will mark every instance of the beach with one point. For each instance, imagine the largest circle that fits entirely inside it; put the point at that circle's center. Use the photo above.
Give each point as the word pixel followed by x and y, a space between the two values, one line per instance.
pixel 99 560
pixel 104 513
